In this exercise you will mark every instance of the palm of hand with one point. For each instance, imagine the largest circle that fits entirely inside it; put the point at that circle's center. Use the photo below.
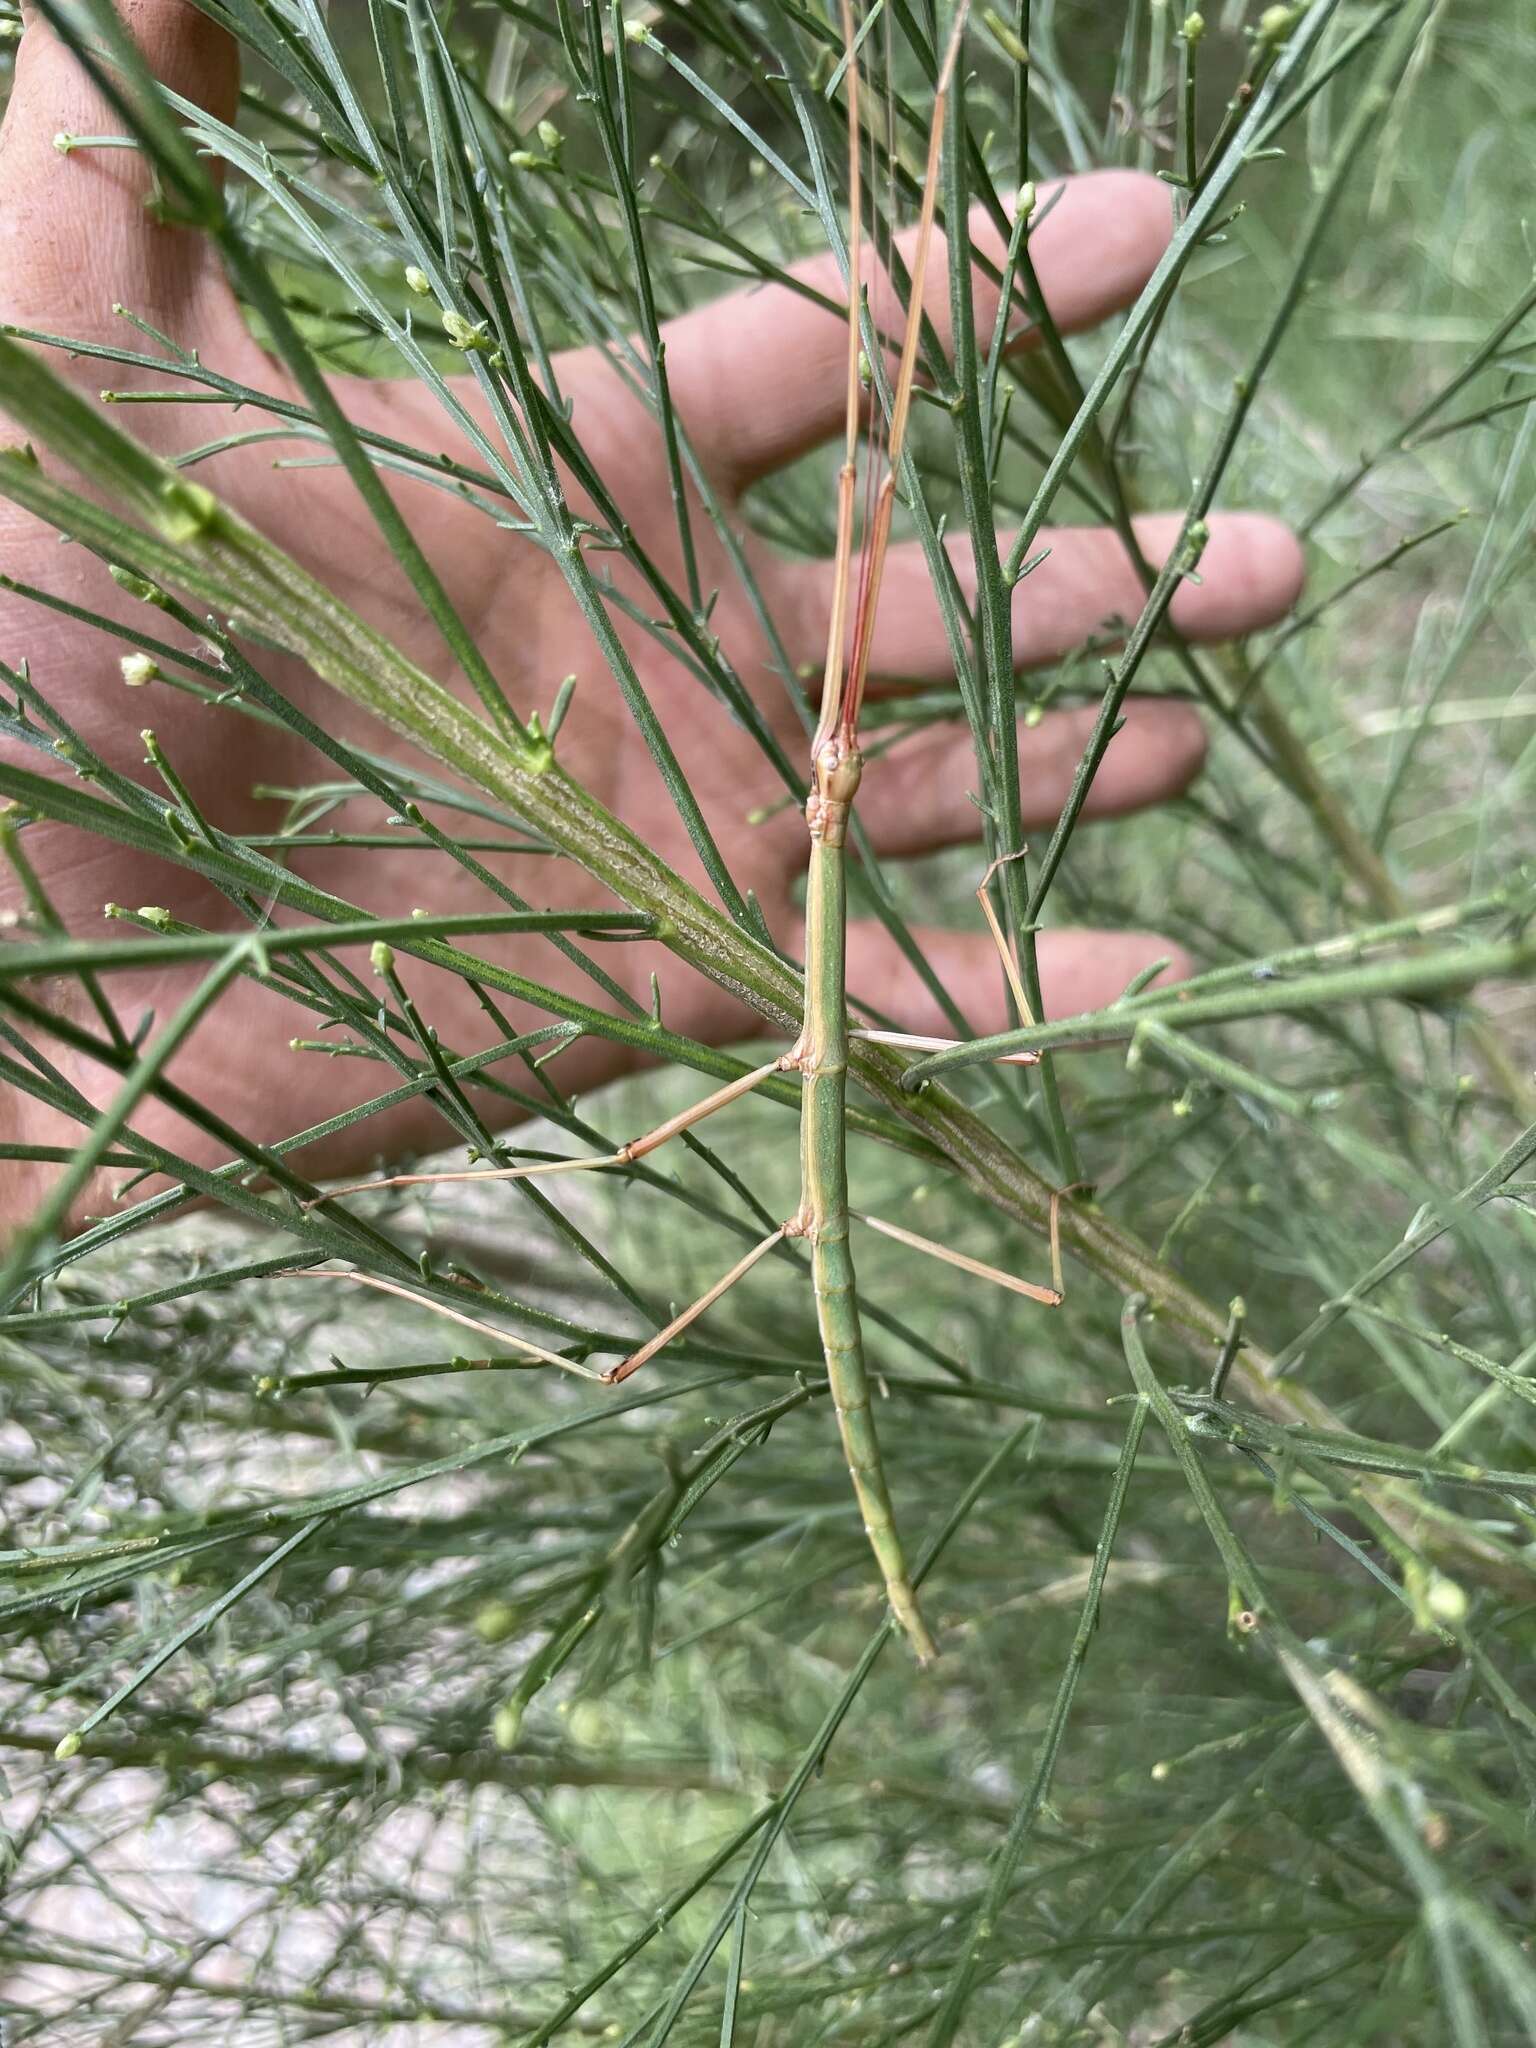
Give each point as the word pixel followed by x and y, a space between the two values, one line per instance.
pixel 756 381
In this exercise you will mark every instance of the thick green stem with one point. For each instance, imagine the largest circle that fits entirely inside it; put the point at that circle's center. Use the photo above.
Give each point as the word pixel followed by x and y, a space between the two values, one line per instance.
pixel 1420 977
pixel 1367 867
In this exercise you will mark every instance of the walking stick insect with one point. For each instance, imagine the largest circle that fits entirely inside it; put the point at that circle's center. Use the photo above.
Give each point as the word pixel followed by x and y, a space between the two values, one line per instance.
pixel 820 1053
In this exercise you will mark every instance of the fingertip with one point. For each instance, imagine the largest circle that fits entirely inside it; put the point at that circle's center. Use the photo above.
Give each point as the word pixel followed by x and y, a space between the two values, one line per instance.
pixel 188 51
pixel 1158 752
pixel 184 48
pixel 1099 241
pixel 1180 963
pixel 1155 755
pixel 1260 560
pixel 1137 208
pixel 76 234
pixel 1184 745
pixel 1083 971
pixel 1251 572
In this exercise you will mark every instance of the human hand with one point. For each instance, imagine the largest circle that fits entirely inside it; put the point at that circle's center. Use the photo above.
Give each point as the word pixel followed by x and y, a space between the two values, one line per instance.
pixel 757 380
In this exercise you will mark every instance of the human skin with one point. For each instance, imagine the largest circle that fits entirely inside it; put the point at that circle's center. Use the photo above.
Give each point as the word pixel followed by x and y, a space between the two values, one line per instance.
pixel 757 378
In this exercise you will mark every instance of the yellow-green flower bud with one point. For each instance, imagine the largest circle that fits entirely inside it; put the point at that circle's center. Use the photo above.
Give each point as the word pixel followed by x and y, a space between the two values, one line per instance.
pixel 136 585
pixel 1276 23
pixel 468 335
pixel 507 1725
pixel 495 1621
pixel 1445 1601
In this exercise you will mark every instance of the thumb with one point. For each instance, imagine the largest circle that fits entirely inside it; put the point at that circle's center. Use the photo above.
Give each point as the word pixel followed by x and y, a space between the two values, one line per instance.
pixel 76 233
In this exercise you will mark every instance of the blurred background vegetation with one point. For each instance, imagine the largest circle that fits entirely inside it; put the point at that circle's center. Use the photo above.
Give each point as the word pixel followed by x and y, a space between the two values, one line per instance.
pixel 303 1828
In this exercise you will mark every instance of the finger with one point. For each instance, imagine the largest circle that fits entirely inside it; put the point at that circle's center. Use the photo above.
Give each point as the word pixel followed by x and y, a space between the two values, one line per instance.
pixel 918 798
pixel 758 375
pixel 1079 970
pixel 75 233
pixel 1250 575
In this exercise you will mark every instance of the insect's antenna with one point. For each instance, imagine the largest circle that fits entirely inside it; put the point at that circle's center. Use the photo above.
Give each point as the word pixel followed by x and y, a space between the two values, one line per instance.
pixel 877 538
pixel 833 676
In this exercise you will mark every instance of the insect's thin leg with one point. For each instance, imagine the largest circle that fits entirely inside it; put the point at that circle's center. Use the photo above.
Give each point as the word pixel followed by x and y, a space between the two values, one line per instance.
pixel 1049 1297
pixel 635 1149
pixel 694 1310
pixel 916 1041
pixel 536 1352
pixel 1005 952
pixel 909 1041
pixel 685 1119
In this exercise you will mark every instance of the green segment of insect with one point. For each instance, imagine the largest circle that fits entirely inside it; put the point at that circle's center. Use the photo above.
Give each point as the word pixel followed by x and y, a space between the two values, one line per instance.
pixel 820 1053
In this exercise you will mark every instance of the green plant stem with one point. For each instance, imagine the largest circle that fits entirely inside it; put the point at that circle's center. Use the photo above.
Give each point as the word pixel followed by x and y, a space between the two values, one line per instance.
pixel 203 1619
pixel 1412 432
pixel 74 956
pixel 1224 171
pixel 1361 860
pixel 1423 978
pixel 983 1928
pixel 137 1083
pixel 812 1759
pixel 997 740
pixel 1365 1738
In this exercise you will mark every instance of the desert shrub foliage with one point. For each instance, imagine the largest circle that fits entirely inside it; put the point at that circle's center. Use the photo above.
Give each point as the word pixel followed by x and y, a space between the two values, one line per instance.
pixel 374 1671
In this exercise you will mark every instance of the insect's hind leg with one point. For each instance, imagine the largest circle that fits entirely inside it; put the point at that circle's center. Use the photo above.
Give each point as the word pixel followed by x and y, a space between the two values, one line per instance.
pixel 695 1309
pixel 1048 1297
pixel 626 1154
